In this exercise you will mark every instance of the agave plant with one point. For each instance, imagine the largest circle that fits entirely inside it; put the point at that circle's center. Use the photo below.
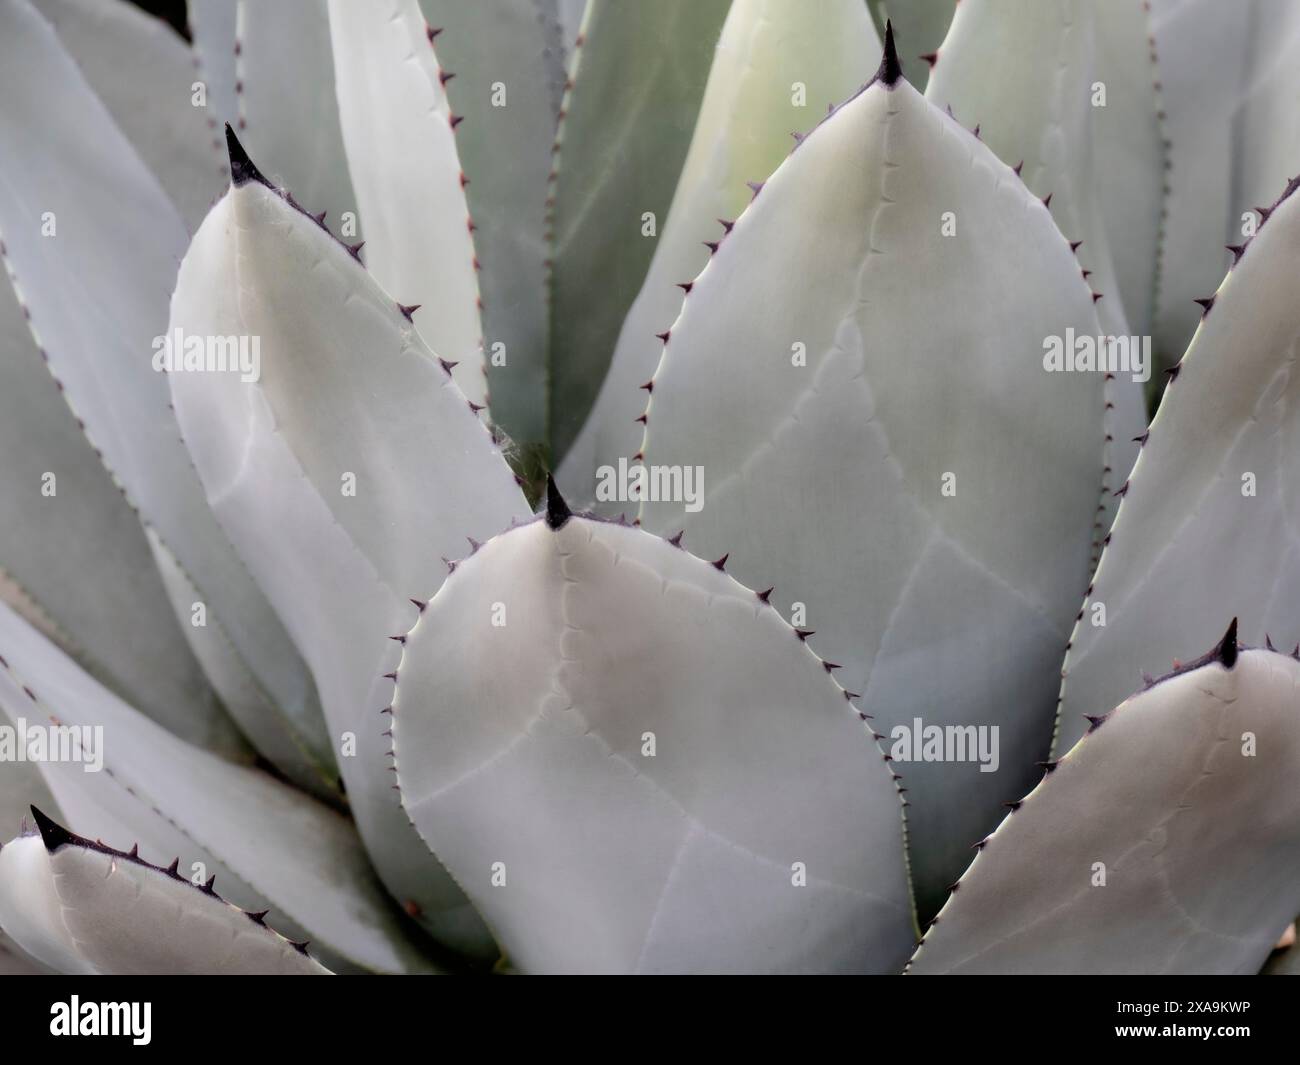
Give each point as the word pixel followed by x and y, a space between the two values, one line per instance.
pixel 824 629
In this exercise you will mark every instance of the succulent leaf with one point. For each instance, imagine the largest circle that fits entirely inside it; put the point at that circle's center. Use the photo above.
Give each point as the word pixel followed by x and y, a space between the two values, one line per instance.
pixel 97 593
pixel 854 439
pixel 1163 842
pixel 1268 138
pixel 584 852
pixel 398 127
pixel 84 908
pixel 370 465
pixel 96 287
pixel 213 27
pixel 742 133
pixel 1022 72
pixel 508 73
pixel 1213 493
pixel 1129 153
pixel 638 77
pixel 269 845
pixel 144 73
pixel 1203 56
pixel 286 111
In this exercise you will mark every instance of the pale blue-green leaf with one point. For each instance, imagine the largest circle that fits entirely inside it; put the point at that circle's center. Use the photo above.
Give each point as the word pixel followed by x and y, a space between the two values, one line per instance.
pixel 268 844
pixel 508 72
pixel 638 79
pixel 145 74
pixel 1208 524
pixel 664 780
pixel 74 559
pixel 778 68
pixel 920 491
pixel 93 243
pixel 1163 842
pixel 369 466
pixel 400 135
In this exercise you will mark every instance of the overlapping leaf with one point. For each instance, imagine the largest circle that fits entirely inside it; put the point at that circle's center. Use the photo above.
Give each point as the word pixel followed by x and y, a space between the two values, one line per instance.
pixel 1209 518
pixel 269 845
pixel 93 243
pixel 866 401
pixel 342 474
pixel 664 779
pixel 778 67
pixel 1164 842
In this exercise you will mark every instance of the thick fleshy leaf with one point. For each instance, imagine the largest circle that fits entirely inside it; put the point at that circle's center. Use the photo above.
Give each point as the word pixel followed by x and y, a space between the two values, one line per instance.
pixel 74 559
pixel 84 908
pixel 778 67
pixel 144 72
pixel 1203 56
pixel 919 28
pixel 994 64
pixel 399 130
pixel 1268 136
pixel 213 26
pixel 286 108
pixel 919 490
pixel 370 465
pixel 1164 842
pixel 93 243
pixel 664 780
pixel 505 71
pixel 121 777
pixel 1129 152
pixel 638 78
pixel 1213 494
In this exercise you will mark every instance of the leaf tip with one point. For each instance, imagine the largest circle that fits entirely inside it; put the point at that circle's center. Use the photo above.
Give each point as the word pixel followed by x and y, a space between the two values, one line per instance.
pixel 557 510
